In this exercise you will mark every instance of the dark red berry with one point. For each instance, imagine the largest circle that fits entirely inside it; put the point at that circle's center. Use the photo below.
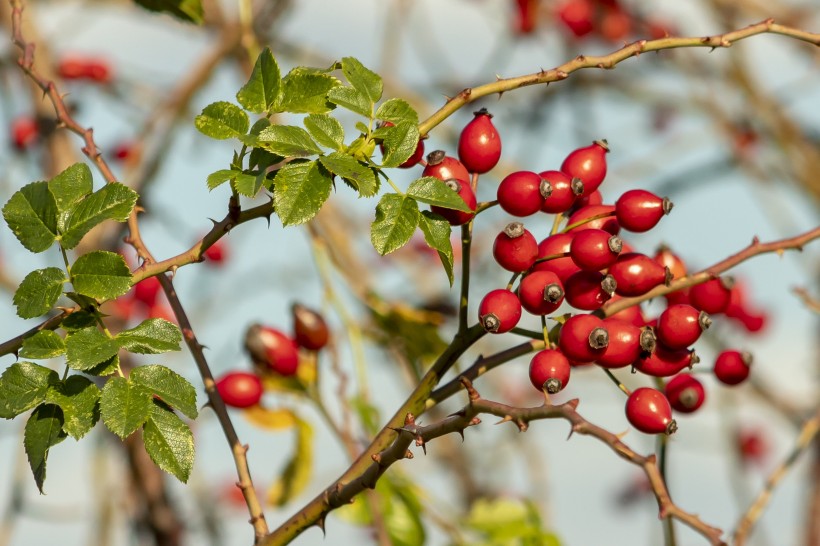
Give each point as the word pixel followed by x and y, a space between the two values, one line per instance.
pixel 71 67
pixel 499 311
pixel 649 411
pixel 522 193
pixel 665 362
pixel 626 343
pixel 216 254
pixel 526 16
pixel 515 248
pixel 637 274
pixel 564 191
pixel 680 325
pixel 732 367
pixel 239 389
pixel 272 348
pixel 555 245
pixel 414 159
pixel 595 249
pixel 24 132
pixel 589 290
pixel 479 145
pixel 549 371
pixel 98 70
pixel 607 222
pixel 753 445
pixel 739 309
pixel 541 292
pixel 577 16
pixel 583 338
pixel 713 296
pixel 685 393
pixel 309 328
pixel 457 217
pixel 588 164
pixel 640 210
pixel 444 167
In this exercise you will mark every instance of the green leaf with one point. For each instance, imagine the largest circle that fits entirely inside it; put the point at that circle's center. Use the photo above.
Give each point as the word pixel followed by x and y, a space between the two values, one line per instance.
pixel 44 344
pixel 222 120
pixel 150 337
pixel 403 517
pixel 186 10
pixel 31 213
pixel 106 367
pixel 101 274
pixel 352 99
pixel 22 386
pixel 124 406
pixel 249 184
pixel 111 202
pixel 88 347
pixel 396 111
pixel 217 178
pixel 400 143
pixel 69 188
pixel 77 321
pixel 171 387
pixel 169 442
pixel 261 92
pixel 295 477
pixel 44 429
pixel 367 82
pixel 299 191
pixel 436 232
pixel 433 191
pixel 39 291
pixel 396 219
pixel 326 130
pixel 359 176
pixel 79 399
pixel 304 91
pixel 288 141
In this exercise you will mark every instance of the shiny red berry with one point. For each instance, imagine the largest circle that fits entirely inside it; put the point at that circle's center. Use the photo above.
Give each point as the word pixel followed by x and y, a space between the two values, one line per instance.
pixel 216 254
pixel 549 371
pixel 309 328
pixel 588 164
pixel 680 325
pixel 541 292
pixel 640 210
pixel 457 217
pixel 595 249
pixel 589 290
pixel 515 248
pixel 604 219
pixel 732 367
pixel 444 167
pixel 583 338
pixel 685 393
pixel 272 348
pixel 637 274
pixel 665 257
pixel 594 198
pixel 24 132
pixel 564 191
pixel 627 343
pixel 239 389
pixel 522 193
pixel 147 290
pixel 649 411
pixel 665 362
pixel 479 145
pixel 414 159
pixel 499 311
pixel 713 296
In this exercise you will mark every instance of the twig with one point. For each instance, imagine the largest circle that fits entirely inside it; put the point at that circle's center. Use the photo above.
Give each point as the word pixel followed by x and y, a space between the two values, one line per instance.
pixel 746 523
pixel 808 300
pixel 634 49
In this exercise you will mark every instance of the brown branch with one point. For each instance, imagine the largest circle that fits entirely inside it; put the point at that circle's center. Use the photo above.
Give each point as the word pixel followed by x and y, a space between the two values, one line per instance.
pixel 634 49
pixel 343 492
pixel 811 303
pixel 754 249
pixel 52 323
pixel 804 440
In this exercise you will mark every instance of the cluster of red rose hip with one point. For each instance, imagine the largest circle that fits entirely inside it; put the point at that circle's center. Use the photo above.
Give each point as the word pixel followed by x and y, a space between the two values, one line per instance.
pixel 273 352
pixel 587 264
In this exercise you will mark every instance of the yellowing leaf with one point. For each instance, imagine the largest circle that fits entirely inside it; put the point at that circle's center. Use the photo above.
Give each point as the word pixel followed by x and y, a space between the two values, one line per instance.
pixel 297 472
pixel 270 419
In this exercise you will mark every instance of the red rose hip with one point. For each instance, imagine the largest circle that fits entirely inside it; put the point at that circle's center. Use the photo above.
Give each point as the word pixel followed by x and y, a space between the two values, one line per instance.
pixel 589 290
pixel 522 193
pixel 549 371
pixel 640 210
pixel 588 164
pixel 239 389
pixel 595 249
pixel 713 296
pixel 685 393
pixel 732 367
pixel 444 167
pixel 499 311
pixel 649 411
pixel 564 193
pixel 555 245
pixel 515 249
pixel 458 217
pixel 479 145
pixel 680 325
pixel 272 348
pixel 309 328
pixel 626 343
pixel 637 274
pixel 583 338
pixel 541 292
